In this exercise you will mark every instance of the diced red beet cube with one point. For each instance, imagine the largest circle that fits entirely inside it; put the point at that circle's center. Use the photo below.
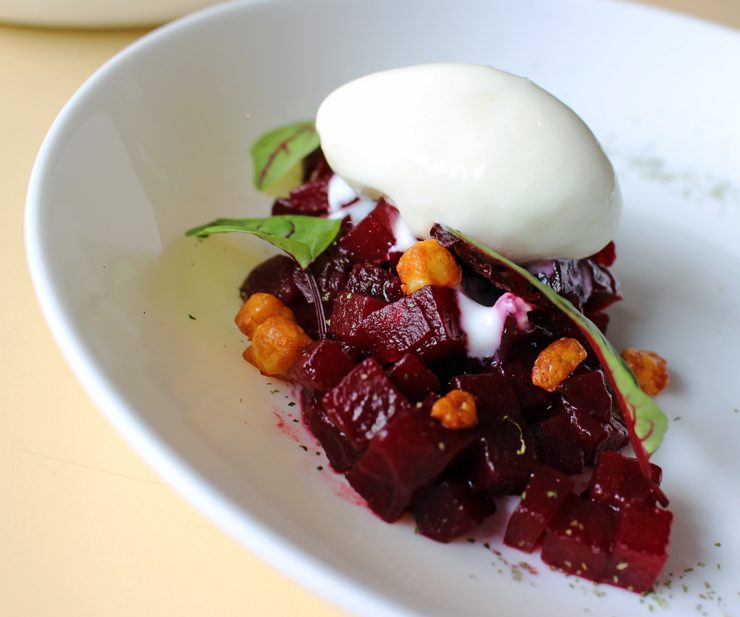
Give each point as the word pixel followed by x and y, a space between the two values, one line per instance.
pixel 595 437
pixel 372 238
pixel 447 511
pixel 321 367
pixel 315 167
pixel 518 369
pixel 305 316
pixel 425 323
pixel 405 458
pixel 310 198
pixel 338 449
pixel 600 320
pixel 546 492
pixel 363 403
pixel 375 282
pixel 504 457
pixel 495 398
pixel 282 206
pixel 617 480
pixel 443 315
pixel 640 546
pixel 414 380
pixel 606 256
pixel 605 288
pixel 397 329
pixel 578 539
pixel 556 444
pixel 588 393
pixel 273 276
pixel 349 311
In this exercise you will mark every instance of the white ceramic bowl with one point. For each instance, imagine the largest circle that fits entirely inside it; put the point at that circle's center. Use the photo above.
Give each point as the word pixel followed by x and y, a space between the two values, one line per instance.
pixel 157 142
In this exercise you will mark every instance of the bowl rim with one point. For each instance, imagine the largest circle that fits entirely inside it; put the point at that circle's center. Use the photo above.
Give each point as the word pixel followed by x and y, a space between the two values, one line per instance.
pixel 293 561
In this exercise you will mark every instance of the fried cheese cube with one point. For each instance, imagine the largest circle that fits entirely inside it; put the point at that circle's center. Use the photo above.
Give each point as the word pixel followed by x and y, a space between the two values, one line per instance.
pixel 649 368
pixel 427 263
pixel 456 410
pixel 277 344
pixel 257 309
pixel 556 362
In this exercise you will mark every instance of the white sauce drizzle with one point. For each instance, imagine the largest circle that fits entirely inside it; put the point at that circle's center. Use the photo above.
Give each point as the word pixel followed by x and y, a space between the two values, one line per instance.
pixel 484 325
pixel 343 201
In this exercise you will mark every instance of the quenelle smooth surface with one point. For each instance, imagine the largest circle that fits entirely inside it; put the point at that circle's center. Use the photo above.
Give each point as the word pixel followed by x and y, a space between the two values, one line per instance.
pixel 476 149
pixel 91 530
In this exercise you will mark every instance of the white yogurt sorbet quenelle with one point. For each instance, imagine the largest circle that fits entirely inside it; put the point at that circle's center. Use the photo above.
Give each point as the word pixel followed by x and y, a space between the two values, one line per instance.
pixel 478 150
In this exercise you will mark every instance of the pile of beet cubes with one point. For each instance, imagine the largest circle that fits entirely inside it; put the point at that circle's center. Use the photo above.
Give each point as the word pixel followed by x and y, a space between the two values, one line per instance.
pixel 369 385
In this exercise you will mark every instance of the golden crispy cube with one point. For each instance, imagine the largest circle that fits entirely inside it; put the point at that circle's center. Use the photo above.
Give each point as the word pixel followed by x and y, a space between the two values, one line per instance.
pixel 556 362
pixel 258 308
pixel 456 410
pixel 649 368
pixel 277 344
pixel 427 263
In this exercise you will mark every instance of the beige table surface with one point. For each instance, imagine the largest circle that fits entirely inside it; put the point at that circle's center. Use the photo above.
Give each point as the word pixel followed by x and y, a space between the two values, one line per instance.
pixel 86 528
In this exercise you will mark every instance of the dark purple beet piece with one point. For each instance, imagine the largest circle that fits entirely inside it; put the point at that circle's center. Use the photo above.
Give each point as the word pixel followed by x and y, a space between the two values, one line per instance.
pixel 282 206
pixel 375 282
pixel 606 256
pixel 543 497
pixel 425 323
pixel 564 276
pixel 414 380
pixel 310 198
pixel 556 444
pixel 605 288
pixel 273 276
pixel 588 393
pixel 315 167
pixel 640 546
pixel 595 437
pixel 363 403
pixel 321 367
pixel 372 238
pixel 404 459
pixel 305 316
pixel 349 311
pixel 578 539
pixel 447 511
pixel 397 329
pixel 504 457
pixel 339 450
pixel 495 398
pixel 617 480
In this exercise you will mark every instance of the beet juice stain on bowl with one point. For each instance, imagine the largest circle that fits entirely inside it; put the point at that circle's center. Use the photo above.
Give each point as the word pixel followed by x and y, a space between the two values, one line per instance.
pixel 441 306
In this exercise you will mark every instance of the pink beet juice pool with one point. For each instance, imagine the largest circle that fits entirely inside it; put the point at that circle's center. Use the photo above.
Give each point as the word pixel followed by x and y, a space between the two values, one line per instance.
pixel 441 305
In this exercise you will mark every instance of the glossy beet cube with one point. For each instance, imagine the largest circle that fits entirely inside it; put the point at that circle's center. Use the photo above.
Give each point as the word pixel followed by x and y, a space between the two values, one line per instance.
pixel 640 546
pixel 425 323
pixel 414 380
pixel 518 370
pixel 617 480
pixel 273 276
pixel 579 538
pixel 495 398
pixel 605 288
pixel 404 459
pixel 545 494
pixel 503 457
pixel 375 282
pixel 363 403
pixel 310 198
pixel 349 311
pixel 338 449
pixel 587 393
pixel 447 511
pixel 595 437
pixel 371 239
pixel 556 444
pixel 321 367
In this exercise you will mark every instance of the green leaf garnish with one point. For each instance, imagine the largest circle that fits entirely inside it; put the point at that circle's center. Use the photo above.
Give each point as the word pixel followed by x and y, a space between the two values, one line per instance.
pixel 277 152
pixel 303 237
pixel 645 421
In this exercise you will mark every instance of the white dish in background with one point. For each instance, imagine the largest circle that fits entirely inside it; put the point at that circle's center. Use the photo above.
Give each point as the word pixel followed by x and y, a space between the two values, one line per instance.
pixel 157 142
pixel 97 13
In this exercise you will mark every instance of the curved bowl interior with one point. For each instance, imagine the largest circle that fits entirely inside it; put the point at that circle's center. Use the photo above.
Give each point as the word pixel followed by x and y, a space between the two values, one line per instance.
pixel 158 142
